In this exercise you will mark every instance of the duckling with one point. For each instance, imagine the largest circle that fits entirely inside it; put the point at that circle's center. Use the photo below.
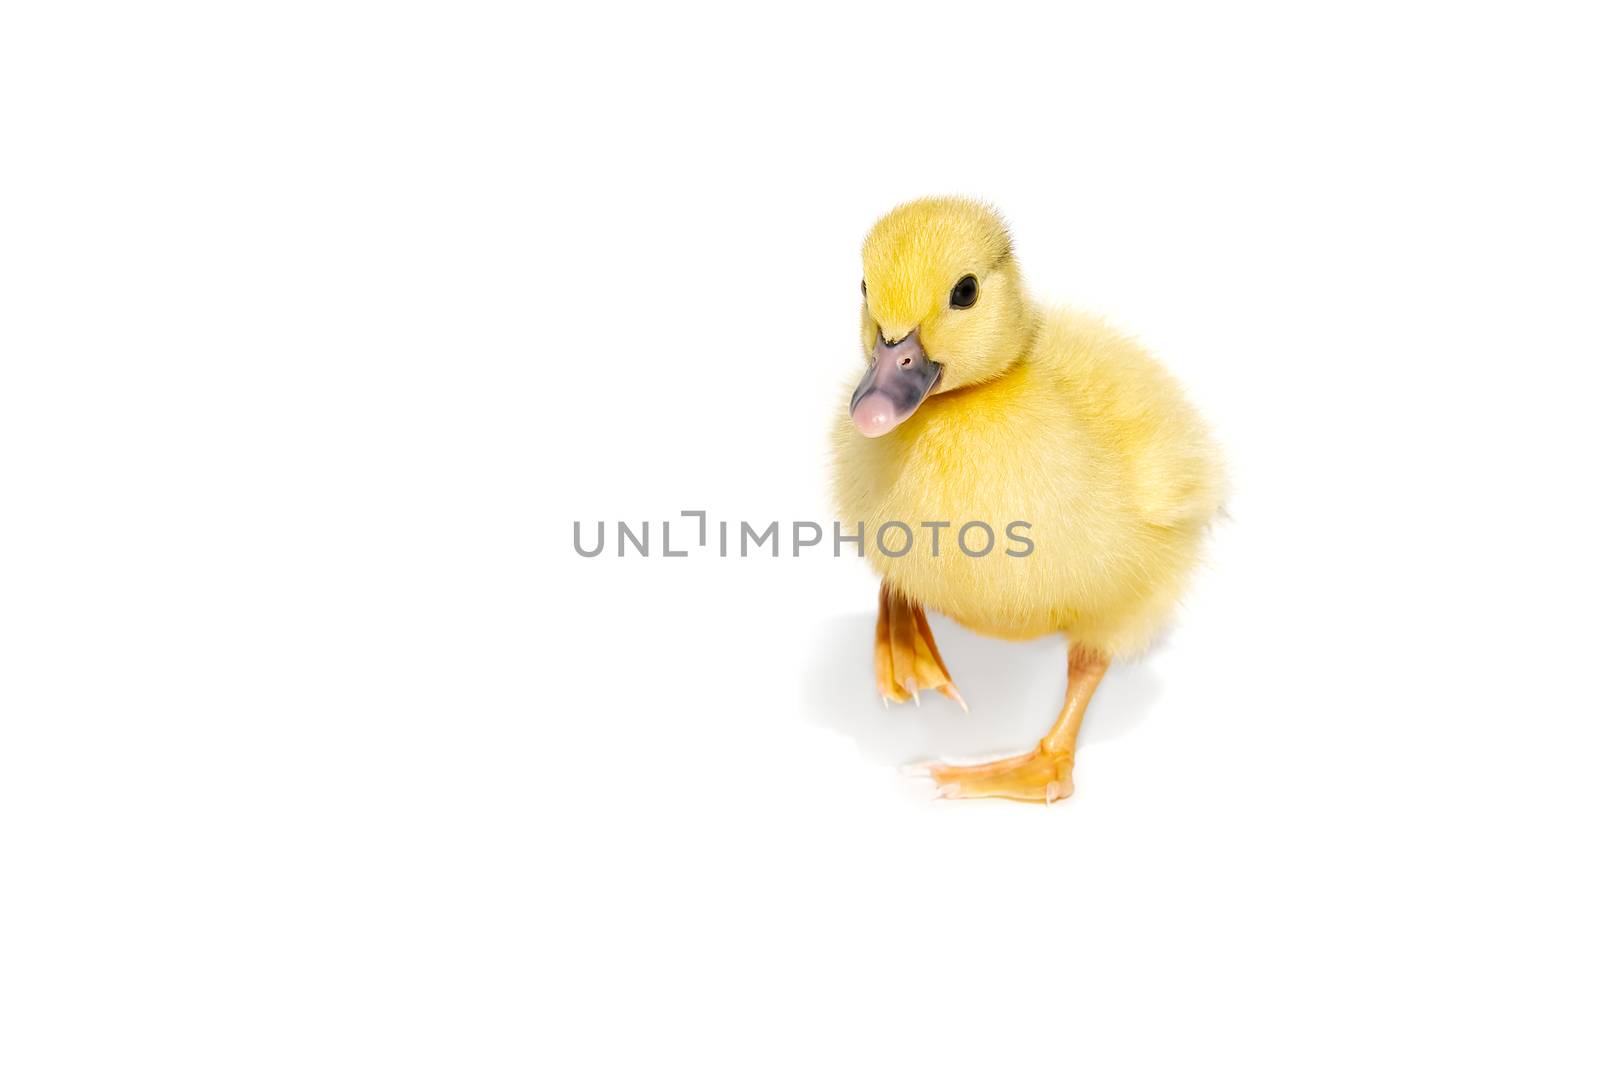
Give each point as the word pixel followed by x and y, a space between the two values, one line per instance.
pixel 979 404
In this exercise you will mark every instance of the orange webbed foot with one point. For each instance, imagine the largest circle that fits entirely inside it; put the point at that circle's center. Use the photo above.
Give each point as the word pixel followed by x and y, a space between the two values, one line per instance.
pixel 906 660
pixel 1040 775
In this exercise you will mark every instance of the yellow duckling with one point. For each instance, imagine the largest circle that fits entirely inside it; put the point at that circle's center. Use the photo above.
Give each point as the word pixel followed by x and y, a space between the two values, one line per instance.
pixel 981 411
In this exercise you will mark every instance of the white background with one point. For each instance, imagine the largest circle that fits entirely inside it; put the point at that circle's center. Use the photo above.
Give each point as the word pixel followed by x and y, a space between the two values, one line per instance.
pixel 319 745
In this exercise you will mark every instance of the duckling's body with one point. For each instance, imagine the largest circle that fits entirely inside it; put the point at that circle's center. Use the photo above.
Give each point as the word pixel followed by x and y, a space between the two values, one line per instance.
pixel 1086 439
pixel 1040 416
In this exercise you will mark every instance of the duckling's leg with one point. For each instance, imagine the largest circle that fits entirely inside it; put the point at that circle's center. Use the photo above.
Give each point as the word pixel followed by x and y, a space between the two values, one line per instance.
pixel 1045 773
pixel 905 657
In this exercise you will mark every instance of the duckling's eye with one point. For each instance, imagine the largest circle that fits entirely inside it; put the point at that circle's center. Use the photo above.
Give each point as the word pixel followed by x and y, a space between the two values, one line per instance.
pixel 863 288
pixel 965 294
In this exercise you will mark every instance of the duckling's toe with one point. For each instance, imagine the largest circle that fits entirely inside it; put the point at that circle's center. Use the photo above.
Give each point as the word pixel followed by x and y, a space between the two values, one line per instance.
pixel 906 660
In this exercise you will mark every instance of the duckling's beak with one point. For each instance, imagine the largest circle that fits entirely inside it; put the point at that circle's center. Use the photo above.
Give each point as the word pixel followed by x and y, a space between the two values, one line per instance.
pixel 897 380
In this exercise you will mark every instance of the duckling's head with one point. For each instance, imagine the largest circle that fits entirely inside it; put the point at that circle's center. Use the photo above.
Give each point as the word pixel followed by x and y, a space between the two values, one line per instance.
pixel 943 307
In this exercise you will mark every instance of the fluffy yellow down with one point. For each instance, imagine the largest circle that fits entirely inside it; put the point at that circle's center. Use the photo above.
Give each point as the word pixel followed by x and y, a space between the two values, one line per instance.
pixel 1042 415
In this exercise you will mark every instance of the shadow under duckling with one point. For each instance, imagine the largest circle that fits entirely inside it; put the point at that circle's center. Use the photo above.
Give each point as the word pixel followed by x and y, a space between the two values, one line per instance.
pixel 980 406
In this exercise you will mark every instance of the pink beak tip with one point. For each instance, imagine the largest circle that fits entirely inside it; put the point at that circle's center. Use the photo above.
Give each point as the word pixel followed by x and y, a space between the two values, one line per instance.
pixel 874 416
